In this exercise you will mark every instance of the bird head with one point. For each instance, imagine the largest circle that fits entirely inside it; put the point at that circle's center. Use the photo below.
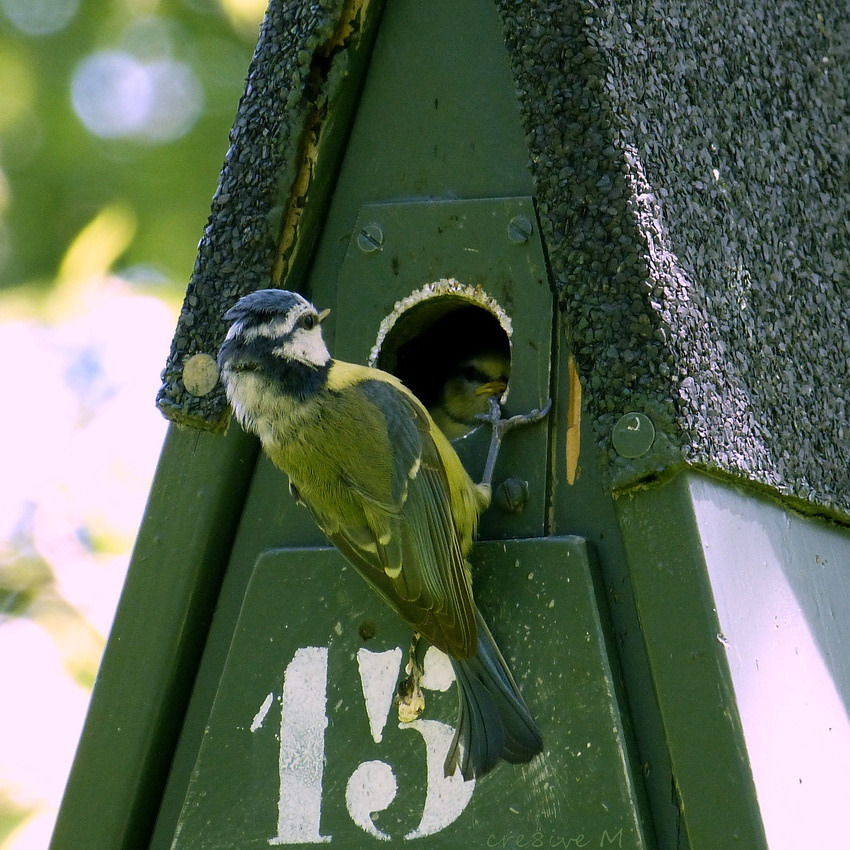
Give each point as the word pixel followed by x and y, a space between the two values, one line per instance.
pixel 468 389
pixel 273 325
pixel 484 376
pixel 273 351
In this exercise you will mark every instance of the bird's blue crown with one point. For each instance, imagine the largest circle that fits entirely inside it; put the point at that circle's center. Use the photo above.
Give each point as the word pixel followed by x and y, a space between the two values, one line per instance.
pixel 263 304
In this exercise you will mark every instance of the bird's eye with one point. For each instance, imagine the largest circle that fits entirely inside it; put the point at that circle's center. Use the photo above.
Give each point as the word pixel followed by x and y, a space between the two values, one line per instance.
pixel 309 321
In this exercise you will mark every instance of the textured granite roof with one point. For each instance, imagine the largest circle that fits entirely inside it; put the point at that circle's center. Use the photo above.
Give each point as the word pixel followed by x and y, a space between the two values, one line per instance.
pixel 691 171
pixel 306 61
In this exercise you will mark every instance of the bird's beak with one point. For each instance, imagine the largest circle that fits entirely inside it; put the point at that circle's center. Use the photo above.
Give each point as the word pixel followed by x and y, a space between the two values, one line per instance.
pixel 324 314
pixel 492 388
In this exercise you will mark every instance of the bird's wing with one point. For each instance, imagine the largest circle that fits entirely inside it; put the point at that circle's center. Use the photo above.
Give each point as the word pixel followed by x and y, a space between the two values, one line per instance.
pixel 397 527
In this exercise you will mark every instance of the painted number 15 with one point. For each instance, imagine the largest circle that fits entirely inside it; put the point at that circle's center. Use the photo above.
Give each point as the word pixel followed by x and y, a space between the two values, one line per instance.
pixel 372 786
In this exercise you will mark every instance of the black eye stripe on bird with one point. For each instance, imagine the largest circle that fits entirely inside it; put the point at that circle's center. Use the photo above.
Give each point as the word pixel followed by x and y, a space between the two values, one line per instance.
pixel 279 327
pixel 387 488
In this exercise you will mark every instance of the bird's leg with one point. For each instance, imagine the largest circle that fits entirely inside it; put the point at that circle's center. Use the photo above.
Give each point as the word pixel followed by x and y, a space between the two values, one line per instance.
pixel 409 696
pixel 501 427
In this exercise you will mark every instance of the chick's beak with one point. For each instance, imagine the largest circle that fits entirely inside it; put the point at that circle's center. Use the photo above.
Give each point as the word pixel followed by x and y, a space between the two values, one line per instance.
pixel 324 314
pixel 491 389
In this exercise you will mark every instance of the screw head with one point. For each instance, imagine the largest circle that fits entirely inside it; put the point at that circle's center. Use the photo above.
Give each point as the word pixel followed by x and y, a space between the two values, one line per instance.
pixel 370 238
pixel 200 374
pixel 512 495
pixel 520 229
pixel 633 435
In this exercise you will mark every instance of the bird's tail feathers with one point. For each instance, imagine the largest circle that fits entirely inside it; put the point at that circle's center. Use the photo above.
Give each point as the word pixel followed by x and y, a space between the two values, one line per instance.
pixel 493 722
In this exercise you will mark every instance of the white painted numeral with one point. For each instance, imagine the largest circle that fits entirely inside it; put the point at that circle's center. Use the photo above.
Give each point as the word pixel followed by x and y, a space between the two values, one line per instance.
pixel 372 786
pixel 303 721
pixel 371 789
pixel 446 796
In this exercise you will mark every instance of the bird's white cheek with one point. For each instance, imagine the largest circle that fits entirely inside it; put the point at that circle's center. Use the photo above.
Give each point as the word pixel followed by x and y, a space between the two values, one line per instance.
pixel 307 347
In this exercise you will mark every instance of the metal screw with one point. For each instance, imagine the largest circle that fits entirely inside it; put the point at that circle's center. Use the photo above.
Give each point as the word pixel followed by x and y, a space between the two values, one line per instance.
pixel 633 435
pixel 370 238
pixel 512 495
pixel 519 229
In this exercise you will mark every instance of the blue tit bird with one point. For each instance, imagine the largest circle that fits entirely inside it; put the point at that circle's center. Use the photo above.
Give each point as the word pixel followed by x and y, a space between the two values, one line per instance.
pixel 465 395
pixel 387 488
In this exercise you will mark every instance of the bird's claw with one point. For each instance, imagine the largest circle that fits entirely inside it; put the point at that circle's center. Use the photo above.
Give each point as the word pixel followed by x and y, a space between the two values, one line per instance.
pixel 494 417
pixel 409 697
pixel 501 427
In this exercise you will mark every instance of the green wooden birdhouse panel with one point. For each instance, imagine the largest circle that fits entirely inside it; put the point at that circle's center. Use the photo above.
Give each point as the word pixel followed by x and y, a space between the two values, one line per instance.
pixel 572 186
pixel 304 746
pixel 439 259
pixel 290 735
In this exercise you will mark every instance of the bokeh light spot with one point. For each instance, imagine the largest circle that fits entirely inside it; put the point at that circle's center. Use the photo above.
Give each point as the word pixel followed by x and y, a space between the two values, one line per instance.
pixel 40 17
pixel 111 94
pixel 116 95
pixel 178 100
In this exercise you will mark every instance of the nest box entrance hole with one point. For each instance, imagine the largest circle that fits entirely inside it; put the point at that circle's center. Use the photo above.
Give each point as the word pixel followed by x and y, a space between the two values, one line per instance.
pixel 451 347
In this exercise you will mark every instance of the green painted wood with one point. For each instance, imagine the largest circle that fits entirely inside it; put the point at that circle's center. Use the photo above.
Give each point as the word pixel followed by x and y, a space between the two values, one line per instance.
pixel 587 508
pixel 292 757
pixel 270 517
pixel 438 119
pixel 712 780
pixel 468 241
pixel 148 668
pixel 435 120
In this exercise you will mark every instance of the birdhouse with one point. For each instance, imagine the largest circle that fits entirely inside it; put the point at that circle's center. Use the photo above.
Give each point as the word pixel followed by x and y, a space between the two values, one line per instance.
pixel 627 213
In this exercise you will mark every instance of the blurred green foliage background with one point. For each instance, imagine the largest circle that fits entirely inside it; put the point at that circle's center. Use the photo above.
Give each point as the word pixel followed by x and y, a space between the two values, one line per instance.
pixel 114 117
pixel 160 160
